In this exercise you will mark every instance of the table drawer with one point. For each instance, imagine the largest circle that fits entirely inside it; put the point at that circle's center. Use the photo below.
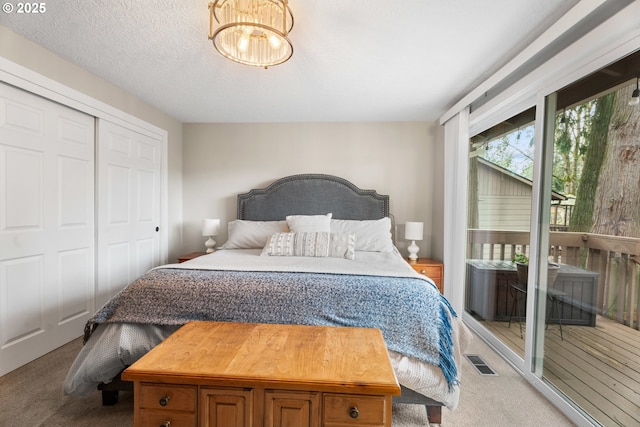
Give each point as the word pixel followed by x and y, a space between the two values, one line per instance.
pixel 153 418
pixel 432 272
pixel 354 410
pixel 168 397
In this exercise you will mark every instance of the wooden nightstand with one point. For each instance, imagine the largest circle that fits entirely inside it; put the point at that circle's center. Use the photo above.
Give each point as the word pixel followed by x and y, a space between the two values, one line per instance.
pixel 192 255
pixel 431 268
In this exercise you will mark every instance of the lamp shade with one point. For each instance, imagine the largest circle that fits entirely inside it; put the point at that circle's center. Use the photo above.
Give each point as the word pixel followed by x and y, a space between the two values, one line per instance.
pixel 210 227
pixel 413 230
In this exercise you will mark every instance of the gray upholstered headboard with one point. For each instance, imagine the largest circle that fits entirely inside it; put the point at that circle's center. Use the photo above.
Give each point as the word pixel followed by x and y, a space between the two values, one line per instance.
pixel 312 194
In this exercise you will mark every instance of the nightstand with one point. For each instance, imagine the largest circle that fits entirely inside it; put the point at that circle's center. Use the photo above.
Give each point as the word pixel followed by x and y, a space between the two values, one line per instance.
pixel 431 268
pixel 192 255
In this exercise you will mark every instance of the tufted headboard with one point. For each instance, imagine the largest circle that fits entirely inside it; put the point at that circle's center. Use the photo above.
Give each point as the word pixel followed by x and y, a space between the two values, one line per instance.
pixel 312 194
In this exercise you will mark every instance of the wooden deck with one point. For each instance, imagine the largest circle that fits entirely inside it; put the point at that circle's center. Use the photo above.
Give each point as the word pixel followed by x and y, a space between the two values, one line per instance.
pixel 596 367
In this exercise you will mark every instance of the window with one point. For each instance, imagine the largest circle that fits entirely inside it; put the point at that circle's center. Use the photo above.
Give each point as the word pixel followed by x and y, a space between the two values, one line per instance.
pixel 499 223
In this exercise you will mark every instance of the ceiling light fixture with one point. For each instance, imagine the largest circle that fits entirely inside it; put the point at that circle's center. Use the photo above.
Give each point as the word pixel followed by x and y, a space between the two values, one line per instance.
pixel 635 96
pixel 252 32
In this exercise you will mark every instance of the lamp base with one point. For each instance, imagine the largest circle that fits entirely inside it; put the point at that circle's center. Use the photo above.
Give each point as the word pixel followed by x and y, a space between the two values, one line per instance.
pixel 413 251
pixel 210 244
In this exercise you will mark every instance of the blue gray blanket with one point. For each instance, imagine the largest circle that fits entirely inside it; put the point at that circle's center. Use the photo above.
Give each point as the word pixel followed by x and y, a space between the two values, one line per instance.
pixel 414 318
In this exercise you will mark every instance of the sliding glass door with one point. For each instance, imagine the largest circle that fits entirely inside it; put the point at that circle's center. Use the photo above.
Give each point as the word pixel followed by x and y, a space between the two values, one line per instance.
pixel 553 242
pixel 498 227
pixel 587 334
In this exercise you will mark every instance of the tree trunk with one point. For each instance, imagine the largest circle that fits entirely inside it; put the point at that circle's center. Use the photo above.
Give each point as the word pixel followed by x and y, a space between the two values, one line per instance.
pixel 617 204
pixel 582 216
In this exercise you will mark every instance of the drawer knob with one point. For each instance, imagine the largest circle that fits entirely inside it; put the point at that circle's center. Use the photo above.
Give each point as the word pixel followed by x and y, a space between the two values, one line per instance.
pixel 353 412
pixel 164 400
pixel 423 272
pixel 166 424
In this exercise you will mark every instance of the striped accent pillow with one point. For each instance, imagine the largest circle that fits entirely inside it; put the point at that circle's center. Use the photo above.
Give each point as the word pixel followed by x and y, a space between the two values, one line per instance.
pixel 311 244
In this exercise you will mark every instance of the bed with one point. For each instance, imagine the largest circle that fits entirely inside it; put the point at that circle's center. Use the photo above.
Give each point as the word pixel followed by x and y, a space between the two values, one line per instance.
pixel 306 249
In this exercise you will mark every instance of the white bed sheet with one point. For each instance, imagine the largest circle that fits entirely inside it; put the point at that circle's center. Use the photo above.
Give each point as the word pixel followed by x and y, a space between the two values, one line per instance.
pixel 365 263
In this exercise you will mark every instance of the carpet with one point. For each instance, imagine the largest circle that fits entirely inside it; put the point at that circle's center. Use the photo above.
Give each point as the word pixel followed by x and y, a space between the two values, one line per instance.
pixel 31 396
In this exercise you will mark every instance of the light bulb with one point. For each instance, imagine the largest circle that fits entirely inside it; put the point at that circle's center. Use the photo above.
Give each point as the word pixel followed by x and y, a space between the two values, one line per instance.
pixel 243 43
pixel 274 41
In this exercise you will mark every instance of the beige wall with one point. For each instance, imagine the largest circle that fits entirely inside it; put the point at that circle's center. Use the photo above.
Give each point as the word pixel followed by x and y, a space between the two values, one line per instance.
pixel 437 201
pixel 399 159
pixel 21 51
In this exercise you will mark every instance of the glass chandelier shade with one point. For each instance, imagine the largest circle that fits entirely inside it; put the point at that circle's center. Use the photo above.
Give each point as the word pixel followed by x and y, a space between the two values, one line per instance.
pixel 252 32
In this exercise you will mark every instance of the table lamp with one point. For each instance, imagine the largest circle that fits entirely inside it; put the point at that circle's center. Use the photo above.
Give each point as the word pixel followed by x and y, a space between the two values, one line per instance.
pixel 210 228
pixel 413 231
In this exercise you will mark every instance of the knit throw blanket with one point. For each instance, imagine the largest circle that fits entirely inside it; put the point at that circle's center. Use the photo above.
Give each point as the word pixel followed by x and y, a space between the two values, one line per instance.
pixel 414 318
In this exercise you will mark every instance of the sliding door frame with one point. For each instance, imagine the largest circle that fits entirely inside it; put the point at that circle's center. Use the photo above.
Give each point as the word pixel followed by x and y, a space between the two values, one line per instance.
pixel 605 44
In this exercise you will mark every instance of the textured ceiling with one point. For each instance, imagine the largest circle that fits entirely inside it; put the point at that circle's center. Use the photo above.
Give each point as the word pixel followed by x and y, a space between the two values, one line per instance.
pixel 353 60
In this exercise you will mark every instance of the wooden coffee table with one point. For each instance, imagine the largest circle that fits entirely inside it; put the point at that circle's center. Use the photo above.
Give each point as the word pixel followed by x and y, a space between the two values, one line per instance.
pixel 220 374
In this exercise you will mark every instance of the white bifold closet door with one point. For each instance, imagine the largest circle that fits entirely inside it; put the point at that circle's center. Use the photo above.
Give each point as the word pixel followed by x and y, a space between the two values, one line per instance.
pixel 47 231
pixel 129 170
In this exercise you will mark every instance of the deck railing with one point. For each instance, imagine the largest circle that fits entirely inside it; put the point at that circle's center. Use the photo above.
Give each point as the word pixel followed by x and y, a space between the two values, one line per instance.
pixel 615 259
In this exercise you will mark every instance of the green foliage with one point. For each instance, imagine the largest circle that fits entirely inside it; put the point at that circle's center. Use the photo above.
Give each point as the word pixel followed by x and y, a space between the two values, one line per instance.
pixel 520 258
pixel 513 150
pixel 572 136
pixel 564 143
pixel 500 153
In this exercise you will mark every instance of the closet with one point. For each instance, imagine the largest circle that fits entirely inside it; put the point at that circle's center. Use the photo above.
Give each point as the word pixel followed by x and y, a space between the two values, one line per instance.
pixel 79 219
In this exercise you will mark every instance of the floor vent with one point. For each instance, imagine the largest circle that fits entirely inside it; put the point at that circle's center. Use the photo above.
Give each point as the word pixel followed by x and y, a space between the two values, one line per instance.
pixel 480 365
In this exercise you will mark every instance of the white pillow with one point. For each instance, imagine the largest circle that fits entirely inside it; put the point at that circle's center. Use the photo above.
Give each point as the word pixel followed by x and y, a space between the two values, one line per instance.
pixel 245 234
pixel 311 244
pixel 371 235
pixel 303 223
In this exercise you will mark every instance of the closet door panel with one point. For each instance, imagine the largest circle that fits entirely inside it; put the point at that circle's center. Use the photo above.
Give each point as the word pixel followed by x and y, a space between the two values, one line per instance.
pixel 75 194
pixel 73 293
pixel 47 236
pixel 118 196
pixel 21 189
pixel 22 290
pixel 114 270
pixel 129 170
